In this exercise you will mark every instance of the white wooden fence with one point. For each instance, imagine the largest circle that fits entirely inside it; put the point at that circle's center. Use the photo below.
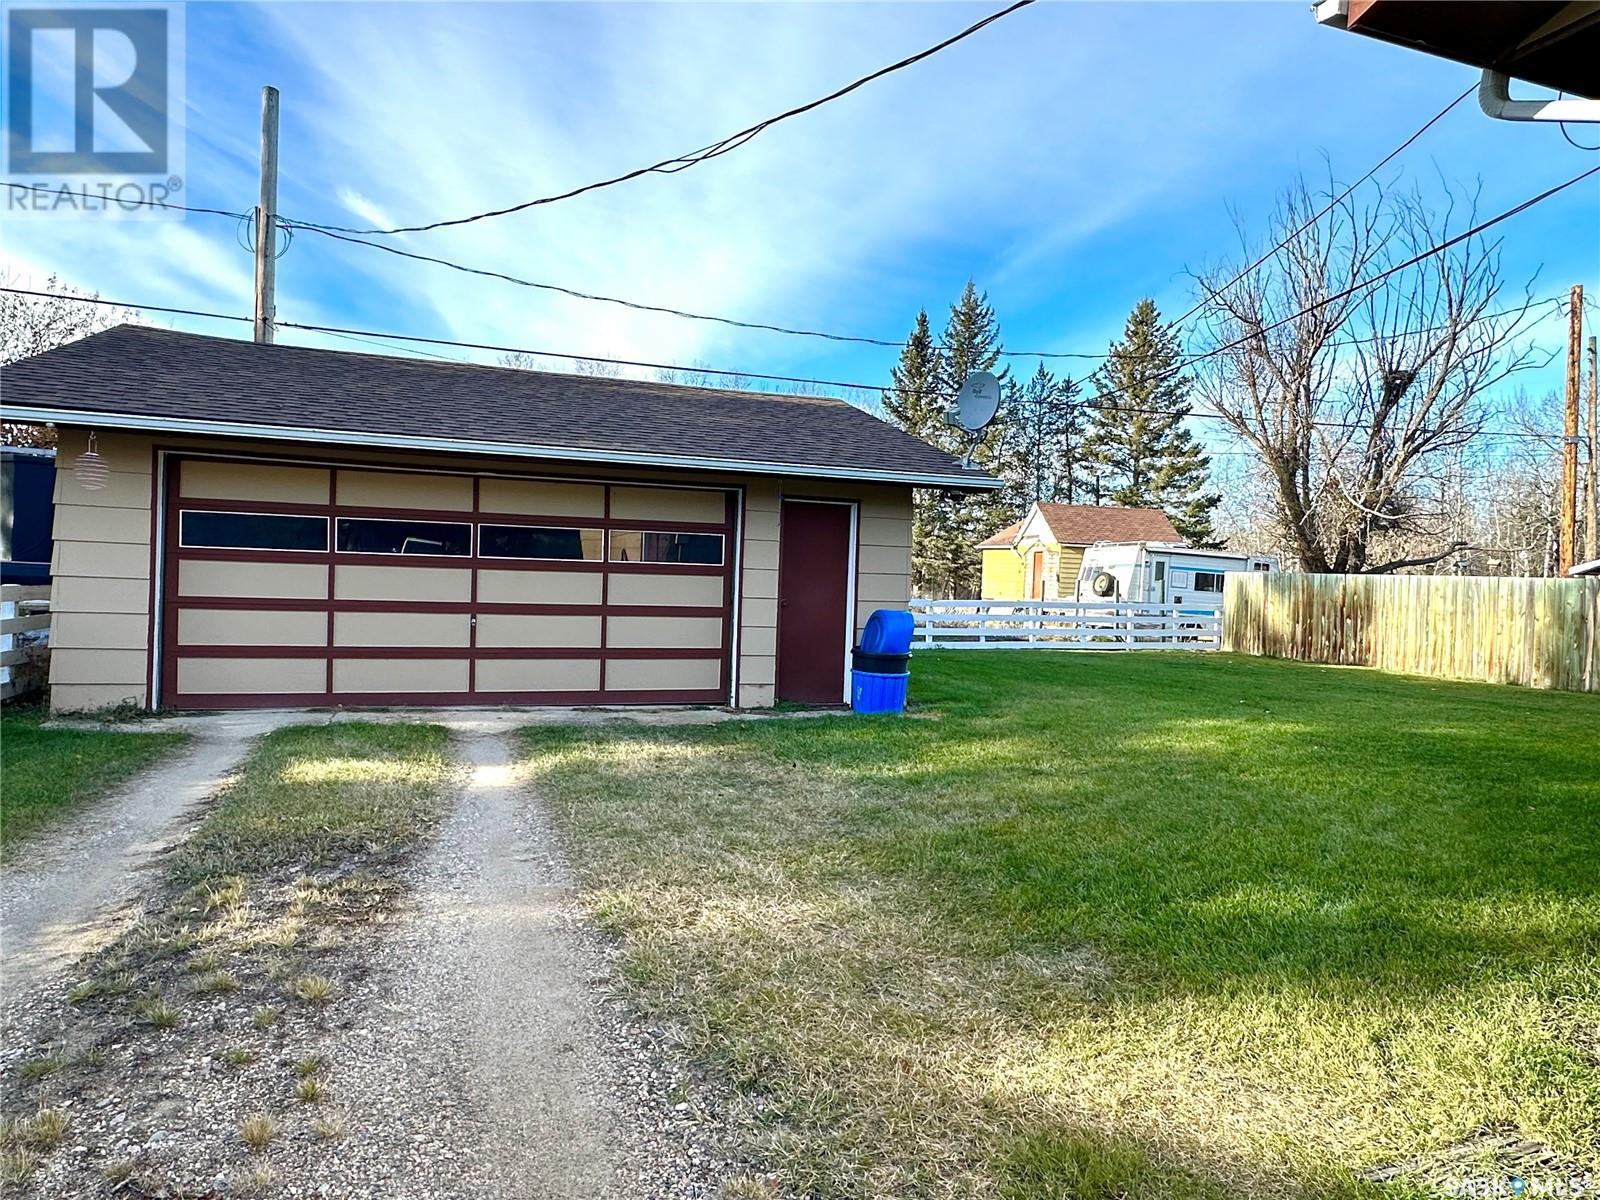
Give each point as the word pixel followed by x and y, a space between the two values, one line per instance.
pixel 1047 625
pixel 24 638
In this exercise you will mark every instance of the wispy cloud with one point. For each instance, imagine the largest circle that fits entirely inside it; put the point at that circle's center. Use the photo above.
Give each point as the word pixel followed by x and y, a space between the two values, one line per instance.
pixel 1071 159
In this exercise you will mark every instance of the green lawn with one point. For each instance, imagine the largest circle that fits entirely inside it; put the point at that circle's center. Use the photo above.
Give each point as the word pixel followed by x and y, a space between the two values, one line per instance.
pixel 1123 925
pixel 315 795
pixel 45 772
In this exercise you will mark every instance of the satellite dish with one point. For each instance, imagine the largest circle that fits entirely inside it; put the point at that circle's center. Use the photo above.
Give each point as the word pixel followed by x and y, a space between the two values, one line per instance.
pixel 978 401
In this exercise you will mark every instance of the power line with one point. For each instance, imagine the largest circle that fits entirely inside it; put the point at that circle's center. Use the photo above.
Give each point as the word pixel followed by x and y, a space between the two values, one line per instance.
pixel 768 377
pixel 637 305
pixel 367 336
pixel 119 202
pixel 686 314
pixel 633 304
pixel 366 341
pixel 1424 255
pixel 341 233
pixel 670 166
pixel 181 312
pixel 346 331
pixel 1329 207
pixel 640 306
pixel 289 226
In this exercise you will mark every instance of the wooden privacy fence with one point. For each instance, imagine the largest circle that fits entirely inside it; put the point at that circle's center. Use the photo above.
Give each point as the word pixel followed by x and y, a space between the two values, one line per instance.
pixel 24 638
pixel 1044 625
pixel 1536 632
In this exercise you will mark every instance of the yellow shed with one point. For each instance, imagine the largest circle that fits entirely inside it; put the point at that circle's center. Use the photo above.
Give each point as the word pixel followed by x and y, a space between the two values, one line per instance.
pixel 1038 557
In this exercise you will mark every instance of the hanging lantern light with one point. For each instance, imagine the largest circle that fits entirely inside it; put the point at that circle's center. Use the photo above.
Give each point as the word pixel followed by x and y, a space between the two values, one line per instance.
pixel 90 470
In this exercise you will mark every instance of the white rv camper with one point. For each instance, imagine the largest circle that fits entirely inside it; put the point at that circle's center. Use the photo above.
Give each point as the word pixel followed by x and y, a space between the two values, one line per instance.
pixel 1160 572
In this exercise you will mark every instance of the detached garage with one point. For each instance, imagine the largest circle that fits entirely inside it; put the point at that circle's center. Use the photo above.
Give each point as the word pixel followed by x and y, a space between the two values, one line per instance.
pixel 241 525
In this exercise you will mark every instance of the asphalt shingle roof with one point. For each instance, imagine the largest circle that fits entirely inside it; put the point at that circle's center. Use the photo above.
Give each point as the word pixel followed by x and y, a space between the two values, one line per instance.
pixel 187 380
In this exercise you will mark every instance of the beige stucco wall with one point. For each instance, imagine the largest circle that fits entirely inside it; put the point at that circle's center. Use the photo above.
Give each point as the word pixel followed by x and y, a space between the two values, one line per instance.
pixel 100 603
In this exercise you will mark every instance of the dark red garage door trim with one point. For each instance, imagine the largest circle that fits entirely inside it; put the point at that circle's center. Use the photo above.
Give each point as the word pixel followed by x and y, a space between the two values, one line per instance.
pixel 172 603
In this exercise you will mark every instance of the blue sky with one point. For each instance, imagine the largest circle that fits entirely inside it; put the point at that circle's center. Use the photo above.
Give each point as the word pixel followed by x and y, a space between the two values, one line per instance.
pixel 1071 159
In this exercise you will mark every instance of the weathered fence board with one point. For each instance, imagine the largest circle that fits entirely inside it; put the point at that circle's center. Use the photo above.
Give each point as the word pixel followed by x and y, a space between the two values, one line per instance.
pixel 1542 633
pixel 1046 625
pixel 24 638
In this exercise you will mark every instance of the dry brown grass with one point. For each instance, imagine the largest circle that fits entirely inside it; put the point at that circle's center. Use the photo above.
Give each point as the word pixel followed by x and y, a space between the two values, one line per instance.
pixel 257 1131
pixel 118 1171
pixel 312 989
pixel 157 1013
pixel 17 1164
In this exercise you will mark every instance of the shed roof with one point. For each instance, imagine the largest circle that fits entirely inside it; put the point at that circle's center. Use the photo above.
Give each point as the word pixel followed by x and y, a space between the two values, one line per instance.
pixel 1086 524
pixel 139 377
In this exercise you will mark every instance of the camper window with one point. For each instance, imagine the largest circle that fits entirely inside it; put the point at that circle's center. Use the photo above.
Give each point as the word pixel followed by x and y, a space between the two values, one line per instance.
pixel 1208 581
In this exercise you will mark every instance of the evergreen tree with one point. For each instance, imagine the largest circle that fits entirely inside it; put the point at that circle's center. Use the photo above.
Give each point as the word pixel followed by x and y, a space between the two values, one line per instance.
pixel 947 526
pixel 914 404
pixel 1045 435
pixel 956 522
pixel 913 401
pixel 1140 452
pixel 971 339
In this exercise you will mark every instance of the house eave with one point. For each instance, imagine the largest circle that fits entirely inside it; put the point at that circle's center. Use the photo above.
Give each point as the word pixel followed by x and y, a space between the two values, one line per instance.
pixel 41 414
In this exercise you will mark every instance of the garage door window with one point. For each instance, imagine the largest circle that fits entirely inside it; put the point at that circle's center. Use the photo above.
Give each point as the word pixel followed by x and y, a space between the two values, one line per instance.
pixel 539 541
pixel 252 531
pixel 365 535
pixel 645 546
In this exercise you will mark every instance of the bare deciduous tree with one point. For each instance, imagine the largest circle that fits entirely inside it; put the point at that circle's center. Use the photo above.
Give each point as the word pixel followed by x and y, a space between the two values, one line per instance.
pixel 1354 398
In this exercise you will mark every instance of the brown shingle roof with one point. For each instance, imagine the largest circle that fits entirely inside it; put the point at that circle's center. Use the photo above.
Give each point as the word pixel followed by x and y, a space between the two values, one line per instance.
pixel 1005 538
pixel 142 377
pixel 1086 524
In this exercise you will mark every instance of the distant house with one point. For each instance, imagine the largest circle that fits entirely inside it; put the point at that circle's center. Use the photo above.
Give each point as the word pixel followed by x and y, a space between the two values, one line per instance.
pixel 1038 557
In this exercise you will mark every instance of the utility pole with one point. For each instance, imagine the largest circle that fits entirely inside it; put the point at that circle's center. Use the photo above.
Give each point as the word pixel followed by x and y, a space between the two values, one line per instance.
pixel 267 218
pixel 1593 512
pixel 1569 440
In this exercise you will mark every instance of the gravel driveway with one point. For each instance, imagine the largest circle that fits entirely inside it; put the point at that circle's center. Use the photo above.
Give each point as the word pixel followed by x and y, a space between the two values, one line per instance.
pixel 476 1050
pixel 56 898
pixel 495 1064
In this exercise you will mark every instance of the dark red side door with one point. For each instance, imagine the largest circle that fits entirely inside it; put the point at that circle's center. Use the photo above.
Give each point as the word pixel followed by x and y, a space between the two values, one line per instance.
pixel 813 594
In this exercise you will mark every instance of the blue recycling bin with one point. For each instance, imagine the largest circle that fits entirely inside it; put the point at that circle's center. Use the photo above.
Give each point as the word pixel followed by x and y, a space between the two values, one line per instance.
pixel 880 672
pixel 888 631
pixel 872 693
